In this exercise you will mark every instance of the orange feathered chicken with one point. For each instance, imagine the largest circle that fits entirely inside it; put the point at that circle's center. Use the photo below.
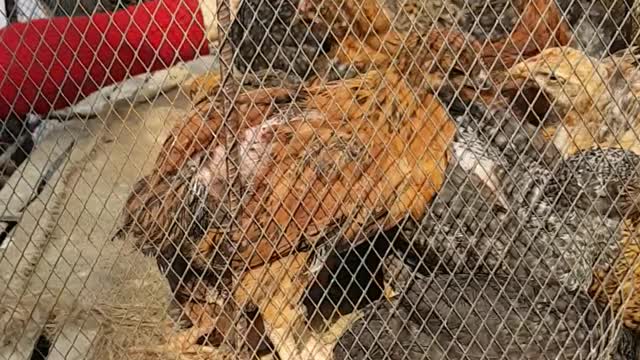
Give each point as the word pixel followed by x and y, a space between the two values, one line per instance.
pixel 351 157
pixel 347 158
pixel 361 151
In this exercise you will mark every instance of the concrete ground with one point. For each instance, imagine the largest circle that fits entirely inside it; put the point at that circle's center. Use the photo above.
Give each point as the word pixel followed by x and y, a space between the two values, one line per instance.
pixel 59 270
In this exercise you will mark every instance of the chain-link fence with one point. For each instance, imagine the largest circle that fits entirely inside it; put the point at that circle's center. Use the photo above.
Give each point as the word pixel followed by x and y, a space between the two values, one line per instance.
pixel 320 179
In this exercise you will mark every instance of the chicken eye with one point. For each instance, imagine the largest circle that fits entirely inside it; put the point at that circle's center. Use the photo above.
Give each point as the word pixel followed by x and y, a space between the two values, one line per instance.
pixel 553 77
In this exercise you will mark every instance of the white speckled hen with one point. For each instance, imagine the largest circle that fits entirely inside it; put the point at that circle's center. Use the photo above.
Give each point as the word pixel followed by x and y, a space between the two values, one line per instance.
pixel 511 213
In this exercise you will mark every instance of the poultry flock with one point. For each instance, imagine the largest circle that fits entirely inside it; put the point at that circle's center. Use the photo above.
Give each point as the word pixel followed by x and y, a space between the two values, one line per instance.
pixel 454 188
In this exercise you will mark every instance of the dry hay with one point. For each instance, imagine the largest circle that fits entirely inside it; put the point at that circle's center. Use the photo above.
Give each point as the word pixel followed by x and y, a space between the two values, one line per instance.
pixel 135 315
pixel 132 315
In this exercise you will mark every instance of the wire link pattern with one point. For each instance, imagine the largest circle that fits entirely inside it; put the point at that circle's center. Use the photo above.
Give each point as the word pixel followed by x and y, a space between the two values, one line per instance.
pixel 349 179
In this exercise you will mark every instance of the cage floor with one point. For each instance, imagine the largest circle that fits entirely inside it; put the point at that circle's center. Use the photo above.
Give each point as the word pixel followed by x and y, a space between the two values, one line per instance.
pixel 87 292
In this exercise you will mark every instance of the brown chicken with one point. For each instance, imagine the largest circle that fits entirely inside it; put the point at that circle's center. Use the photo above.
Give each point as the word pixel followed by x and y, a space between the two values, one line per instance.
pixel 594 102
pixel 598 27
pixel 525 28
pixel 349 158
pixel 378 50
pixel 595 105
pixel 540 26
pixel 510 30
pixel 276 46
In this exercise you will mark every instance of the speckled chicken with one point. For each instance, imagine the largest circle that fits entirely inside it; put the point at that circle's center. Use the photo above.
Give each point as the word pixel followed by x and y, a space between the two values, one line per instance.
pixel 482 148
pixel 517 213
pixel 482 316
pixel 563 223
pixel 596 106
pixel 350 157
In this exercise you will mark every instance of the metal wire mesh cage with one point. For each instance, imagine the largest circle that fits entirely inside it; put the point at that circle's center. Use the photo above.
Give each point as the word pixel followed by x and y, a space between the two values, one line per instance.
pixel 339 179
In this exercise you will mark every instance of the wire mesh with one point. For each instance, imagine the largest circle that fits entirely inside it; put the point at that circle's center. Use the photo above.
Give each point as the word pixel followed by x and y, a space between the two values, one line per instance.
pixel 408 179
